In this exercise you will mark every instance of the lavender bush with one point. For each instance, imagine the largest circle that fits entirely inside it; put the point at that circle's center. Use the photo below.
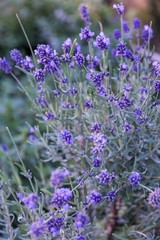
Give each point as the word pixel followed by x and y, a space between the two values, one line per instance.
pixel 97 139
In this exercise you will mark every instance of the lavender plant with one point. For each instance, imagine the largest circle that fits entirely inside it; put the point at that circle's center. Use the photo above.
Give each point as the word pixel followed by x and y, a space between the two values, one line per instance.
pixel 97 139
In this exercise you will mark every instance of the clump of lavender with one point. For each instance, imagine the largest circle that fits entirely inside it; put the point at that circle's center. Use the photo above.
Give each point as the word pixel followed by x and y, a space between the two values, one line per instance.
pixel 97 119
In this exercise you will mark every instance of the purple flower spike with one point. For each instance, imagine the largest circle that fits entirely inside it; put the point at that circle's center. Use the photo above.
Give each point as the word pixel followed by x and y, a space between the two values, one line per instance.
pixel 5 66
pixel 136 23
pixel 126 28
pixel 39 75
pixel 121 48
pixel 111 196
pixel 99 141
pixel 154 198
pixel 66 137
pixel 157 86
pixel 61 197
pixel 30 201
pixel 85 14
pixel 86 34
pixel 127 127
pixel 16 56
pixel 54 225
pixel 105 177
pixel 48 116
pixel 124 102
pixel 59 176
pixel 147 33
pixel 93 62
pixel 117 34
pixel 88 104
pixel 79 59
pixel 119 8
pixel 27 64
pixel 102 42
pixel 81 220
pixel 67 45
pixel 97 161
pixel 134 178
pixel 156 66
pixel 38 228
pixel 95 197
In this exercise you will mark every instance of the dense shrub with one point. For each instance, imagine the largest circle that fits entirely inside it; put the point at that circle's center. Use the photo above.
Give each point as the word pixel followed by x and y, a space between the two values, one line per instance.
pixel 96 173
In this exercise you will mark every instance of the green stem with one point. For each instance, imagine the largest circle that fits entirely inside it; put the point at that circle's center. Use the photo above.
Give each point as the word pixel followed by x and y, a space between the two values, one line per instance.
pixel 27 39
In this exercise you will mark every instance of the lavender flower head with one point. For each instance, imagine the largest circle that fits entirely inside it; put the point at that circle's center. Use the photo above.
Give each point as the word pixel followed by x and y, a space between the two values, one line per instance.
pixel 39 75
pixel 47 57
pixel 79 59
pixel 16 56
pixel 93 62
pixel 121 48
pixel 147 33
pixel 4 147
pixel 102 42
pixel 97 161
pixel 117 34
pixel 124 102
pixel 99 141
pixel 156 67
pixel 48 116
pixel 96 127
pixel 67 45
pixel 86 34
pixel 154 198
pixel 126 28
pixel 30 200
pixel 5 66
pixel 119 8
pixel 134 178
pixel 61 197
pixel 27 63
pixel 157 86
pixel 127 126
pixel 88 104
pixel 58 177
pixel 95 197
pixel 66 137
pixel 85 14
pixel 38 228
pixel 105 177
pixel 81 220
pixel 54 225
pixel 136 23
pixel 111 196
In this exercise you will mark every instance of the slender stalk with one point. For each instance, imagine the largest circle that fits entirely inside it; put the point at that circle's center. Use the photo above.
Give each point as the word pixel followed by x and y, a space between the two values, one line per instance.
pixel 27 39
